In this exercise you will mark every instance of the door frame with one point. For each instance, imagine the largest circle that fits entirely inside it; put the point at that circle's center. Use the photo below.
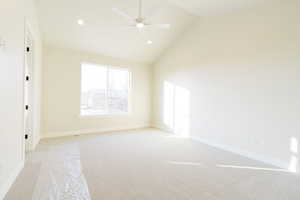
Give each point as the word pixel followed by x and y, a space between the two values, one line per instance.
pixel 28 143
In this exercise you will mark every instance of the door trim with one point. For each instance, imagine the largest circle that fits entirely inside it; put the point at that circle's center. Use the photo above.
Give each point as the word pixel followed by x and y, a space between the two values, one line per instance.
pixel 28 33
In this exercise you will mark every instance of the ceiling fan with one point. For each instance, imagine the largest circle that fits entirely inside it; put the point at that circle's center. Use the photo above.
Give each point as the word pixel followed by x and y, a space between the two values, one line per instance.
pixel 140 21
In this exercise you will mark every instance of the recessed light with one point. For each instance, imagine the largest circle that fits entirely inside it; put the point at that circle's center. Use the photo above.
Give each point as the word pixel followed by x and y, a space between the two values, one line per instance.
pixel 149 42
pixel 80 22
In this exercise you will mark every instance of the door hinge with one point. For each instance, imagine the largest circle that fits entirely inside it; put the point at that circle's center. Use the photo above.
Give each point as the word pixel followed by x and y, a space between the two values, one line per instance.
pixel 26 107
pixel 27 78
pixel 26 136
pixel 27 49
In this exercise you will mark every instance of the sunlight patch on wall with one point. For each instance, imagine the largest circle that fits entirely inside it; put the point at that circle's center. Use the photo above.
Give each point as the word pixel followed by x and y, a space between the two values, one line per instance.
pixel 169 91
pixel 294 145
pixel 177 109
pixel 293 166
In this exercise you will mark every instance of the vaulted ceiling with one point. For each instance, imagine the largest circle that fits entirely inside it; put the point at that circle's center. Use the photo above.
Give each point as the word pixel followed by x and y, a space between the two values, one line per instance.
pixel 106 33
pixel 218 7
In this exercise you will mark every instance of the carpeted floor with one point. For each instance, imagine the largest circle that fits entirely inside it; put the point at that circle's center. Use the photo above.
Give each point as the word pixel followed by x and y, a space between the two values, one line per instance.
pixel 146 165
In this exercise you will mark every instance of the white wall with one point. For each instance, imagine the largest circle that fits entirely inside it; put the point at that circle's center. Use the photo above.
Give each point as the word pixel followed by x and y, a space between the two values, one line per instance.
pixel 61 103
pixel 12 17
pixel 242 72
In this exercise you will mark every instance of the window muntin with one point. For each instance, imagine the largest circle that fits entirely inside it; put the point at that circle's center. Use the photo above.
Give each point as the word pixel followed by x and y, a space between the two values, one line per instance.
pixel 104 90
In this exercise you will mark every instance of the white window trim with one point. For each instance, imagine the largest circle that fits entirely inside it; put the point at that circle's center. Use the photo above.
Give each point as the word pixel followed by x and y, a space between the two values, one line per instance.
pixel 106 115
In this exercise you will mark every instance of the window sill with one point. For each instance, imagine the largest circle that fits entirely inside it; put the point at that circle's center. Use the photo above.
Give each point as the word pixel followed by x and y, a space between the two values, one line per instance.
pixel 104 115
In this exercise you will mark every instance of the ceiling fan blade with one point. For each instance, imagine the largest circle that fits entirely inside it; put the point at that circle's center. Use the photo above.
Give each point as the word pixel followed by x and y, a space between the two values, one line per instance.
pixel 163 26
pixel 122 13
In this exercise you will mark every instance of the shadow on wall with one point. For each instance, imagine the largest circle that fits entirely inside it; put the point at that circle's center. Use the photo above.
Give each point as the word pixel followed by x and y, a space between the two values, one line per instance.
pixel 177 109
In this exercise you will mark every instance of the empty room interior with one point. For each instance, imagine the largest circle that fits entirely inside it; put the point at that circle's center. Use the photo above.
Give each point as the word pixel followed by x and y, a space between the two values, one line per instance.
pixel 149 99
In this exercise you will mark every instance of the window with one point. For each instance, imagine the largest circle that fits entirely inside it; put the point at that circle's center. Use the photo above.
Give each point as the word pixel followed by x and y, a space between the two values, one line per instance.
pixel 104 90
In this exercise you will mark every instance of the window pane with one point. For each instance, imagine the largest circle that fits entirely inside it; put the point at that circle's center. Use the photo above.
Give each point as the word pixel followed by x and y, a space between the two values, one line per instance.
pixel 93 89
pixel 118 90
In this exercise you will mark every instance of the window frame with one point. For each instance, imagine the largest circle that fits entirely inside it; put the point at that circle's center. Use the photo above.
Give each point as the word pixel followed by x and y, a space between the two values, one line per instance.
pixel 98 115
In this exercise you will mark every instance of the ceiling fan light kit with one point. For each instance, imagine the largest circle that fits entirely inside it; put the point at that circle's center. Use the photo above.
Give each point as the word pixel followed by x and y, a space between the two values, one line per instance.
pixel 140 25
pixel 140 21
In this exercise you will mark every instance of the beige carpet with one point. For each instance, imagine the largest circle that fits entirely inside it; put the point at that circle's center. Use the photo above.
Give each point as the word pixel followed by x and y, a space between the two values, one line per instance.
pixel 146 165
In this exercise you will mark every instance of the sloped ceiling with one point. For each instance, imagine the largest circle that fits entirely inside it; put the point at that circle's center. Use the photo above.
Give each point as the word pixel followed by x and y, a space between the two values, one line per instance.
pixel 106 33
pixel 217 7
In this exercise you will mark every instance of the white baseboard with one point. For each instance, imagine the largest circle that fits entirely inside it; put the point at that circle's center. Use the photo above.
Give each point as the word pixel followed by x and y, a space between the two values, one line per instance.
pixel 90 131
pixel 10 180
pixel 250 155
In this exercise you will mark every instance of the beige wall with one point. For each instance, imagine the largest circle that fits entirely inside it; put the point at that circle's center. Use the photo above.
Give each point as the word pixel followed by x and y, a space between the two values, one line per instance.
pixel 61 88
pixel 12 17
pixel 242 72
